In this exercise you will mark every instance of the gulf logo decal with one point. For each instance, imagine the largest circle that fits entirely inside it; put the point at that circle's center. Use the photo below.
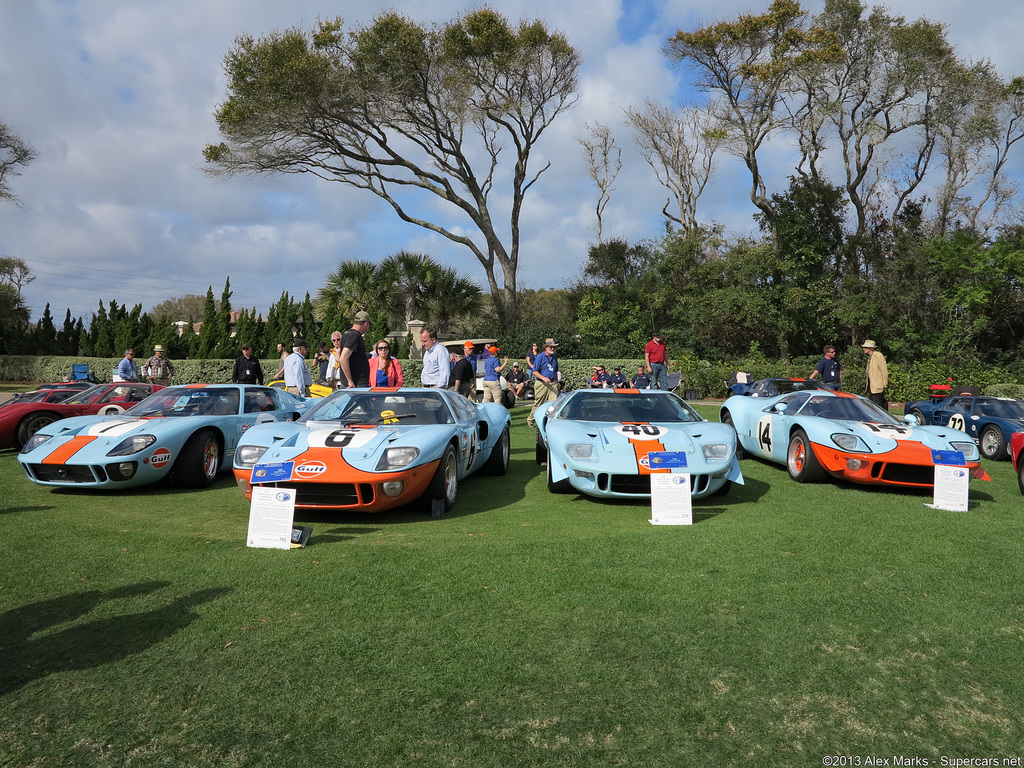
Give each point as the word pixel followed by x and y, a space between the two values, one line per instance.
pixel 310 469
pixel 161 458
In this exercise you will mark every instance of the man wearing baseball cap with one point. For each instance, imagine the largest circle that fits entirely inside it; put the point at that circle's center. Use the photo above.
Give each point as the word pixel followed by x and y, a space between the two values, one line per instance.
pixel 355 365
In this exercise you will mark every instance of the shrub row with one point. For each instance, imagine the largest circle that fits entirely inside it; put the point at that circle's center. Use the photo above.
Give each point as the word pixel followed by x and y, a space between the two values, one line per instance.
pixel 906 382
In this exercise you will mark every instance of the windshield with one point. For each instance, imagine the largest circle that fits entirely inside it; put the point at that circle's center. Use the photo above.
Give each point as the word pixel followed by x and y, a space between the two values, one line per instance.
pixel 618 407
pixel 86 395
pixel 782 386
pixel 1000 409
pixel 189 401
pixel 376 408
pixel 847 409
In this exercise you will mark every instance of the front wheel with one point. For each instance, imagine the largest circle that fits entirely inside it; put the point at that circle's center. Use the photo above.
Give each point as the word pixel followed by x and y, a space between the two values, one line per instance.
pixel 199 462
pixel 1020 473
pixel 991 444
pixel 444 487
pixel 800 460
pixel 540 452
pixel 562 486
pixel 727 420
pixel 32 424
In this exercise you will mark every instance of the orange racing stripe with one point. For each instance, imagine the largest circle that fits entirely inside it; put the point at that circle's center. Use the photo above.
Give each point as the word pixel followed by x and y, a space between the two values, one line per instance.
pixel 69 449
pixel 643 447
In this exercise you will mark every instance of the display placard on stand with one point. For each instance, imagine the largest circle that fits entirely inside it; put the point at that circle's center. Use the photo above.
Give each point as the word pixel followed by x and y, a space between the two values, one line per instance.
pixel 670 499
pixel 952 482
pixel 271 513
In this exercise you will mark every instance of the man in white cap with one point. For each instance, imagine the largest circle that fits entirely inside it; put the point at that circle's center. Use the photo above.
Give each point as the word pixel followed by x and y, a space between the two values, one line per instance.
pixel 877 375
pixel 158 369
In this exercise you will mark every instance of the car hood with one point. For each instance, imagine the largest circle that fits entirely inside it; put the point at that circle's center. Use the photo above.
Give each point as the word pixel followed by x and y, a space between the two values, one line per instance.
pixel 622 439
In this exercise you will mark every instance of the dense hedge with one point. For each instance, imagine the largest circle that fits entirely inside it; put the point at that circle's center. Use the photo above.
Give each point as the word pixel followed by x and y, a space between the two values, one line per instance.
pixel 906 382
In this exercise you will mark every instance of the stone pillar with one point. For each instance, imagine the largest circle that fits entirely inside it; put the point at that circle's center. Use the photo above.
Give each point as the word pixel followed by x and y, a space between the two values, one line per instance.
pixel 415 328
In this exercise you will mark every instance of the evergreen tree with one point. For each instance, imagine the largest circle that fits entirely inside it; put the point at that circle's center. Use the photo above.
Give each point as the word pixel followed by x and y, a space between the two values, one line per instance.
pixel 66 337
pixel 227 346
pixel 209 333
pixel 45 340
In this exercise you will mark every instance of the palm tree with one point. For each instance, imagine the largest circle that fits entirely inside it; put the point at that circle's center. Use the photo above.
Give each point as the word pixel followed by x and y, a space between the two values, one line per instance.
pixel 450 296
pixel 409 274
pixel 353 286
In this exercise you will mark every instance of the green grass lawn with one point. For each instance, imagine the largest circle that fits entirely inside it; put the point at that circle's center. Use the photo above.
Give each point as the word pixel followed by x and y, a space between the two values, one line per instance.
pixel 788 623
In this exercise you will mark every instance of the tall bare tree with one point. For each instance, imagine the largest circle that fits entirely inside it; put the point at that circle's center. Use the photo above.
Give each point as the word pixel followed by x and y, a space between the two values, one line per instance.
pixel 15 153
pixel 604 161
pixel 396 105
pixel 745 67
pixel 680 147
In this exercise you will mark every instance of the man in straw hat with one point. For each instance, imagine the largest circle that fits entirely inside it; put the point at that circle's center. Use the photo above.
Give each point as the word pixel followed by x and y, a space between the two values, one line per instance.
pixel 877 374
pixel 545 374
pixel 158 369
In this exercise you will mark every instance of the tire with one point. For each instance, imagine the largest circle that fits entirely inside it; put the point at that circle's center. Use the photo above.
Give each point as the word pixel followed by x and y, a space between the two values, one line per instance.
pixel 562 486
pixel 1020 473
pixel 726 487
pixel 501 453
pixel 199 462
pixel 541 453
pixel 801 462
pixel 727 420
pixel 32 424
pixel 992 445
pixel 920 417
pixel 508 398
pixel 444 486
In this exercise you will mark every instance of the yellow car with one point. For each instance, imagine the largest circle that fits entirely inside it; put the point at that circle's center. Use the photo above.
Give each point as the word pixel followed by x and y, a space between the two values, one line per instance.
pixel 316 389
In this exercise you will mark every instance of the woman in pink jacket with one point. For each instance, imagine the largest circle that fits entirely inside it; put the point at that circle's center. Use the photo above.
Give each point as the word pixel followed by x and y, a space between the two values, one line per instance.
pixel 385 370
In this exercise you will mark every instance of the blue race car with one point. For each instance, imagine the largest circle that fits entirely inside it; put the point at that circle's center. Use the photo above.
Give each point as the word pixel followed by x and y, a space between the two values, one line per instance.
pixel 189 432
pixel 599 442
pixel 843 435
pixel 368 450
pixel 989 420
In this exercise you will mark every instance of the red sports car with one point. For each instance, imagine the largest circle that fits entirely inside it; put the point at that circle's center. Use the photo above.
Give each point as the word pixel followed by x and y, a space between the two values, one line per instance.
pixel 20 418
pixel 1017 454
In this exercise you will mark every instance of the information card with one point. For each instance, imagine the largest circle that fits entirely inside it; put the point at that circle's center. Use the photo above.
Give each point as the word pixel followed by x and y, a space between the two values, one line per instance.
pixel 670 500
pixel 951 488
pixel 271 513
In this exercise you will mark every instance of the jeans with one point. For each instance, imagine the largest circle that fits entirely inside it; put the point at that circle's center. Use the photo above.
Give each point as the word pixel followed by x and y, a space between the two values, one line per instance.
pixel 659 376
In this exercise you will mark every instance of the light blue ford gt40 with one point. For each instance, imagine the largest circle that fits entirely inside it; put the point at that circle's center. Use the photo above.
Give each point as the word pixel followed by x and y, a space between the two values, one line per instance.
pixel 189 432
pixel 608 443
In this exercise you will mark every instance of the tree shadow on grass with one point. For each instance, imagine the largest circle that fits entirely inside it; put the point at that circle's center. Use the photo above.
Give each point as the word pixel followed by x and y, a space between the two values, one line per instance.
pixel 92 643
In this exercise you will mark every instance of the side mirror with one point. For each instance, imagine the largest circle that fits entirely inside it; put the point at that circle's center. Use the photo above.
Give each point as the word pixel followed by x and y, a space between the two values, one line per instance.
pixel 780 407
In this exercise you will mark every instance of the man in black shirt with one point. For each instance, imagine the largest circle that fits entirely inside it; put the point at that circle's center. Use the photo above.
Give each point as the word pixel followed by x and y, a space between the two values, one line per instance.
pixel 247 368
pixel 517 380
pixel 462 378
pixel 354 362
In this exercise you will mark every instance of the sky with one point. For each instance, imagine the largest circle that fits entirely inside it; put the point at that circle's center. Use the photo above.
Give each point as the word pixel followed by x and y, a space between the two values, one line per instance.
pixel 117 98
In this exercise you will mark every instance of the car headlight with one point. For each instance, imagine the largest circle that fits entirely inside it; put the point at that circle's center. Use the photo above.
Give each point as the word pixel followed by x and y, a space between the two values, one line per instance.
pixel 968 449
pixel 850 442
pixel 396 458
pixel 715 451
pixel 132 444
pixel 580 451
pixel 34 442
pixel 249 455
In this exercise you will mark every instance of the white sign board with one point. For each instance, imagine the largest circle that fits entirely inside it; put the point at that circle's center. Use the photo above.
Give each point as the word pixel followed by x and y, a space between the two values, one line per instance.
pixel 670 499
pixel 951 488
pixel 271 513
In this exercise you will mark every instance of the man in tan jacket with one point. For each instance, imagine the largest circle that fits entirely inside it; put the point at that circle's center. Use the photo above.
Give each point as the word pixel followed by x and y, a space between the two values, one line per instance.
pixel 877 374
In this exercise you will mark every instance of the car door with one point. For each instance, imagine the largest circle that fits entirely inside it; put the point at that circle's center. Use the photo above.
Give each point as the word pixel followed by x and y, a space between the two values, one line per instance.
pixel 954 414
pixel 771 432
pixel 467 431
